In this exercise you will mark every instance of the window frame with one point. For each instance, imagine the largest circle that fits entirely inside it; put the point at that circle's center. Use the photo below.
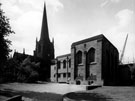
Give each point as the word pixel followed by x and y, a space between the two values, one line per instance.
pixel 79 57
pixel 59 64
pixel 91 55
pixel 64 75
pixel 64 64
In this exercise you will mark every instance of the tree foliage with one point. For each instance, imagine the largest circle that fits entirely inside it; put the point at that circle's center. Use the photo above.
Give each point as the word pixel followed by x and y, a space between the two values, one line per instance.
pixel 28 71
pixel 5 30
pixel 12 69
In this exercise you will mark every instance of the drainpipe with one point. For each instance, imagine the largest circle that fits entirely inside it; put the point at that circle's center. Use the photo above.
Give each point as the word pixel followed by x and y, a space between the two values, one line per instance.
pixel 67 68
pixel 57 70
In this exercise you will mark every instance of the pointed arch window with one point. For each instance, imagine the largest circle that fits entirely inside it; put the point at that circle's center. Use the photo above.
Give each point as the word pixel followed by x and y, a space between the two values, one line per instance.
pixel 91 55
pixel 79 57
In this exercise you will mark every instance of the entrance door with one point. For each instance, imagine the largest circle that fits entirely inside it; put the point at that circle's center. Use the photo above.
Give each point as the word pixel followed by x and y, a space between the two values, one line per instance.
pixel 78 82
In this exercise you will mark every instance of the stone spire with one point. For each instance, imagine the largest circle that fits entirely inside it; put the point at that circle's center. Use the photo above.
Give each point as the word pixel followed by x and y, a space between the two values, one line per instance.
pixel 44 30
pixel 44 48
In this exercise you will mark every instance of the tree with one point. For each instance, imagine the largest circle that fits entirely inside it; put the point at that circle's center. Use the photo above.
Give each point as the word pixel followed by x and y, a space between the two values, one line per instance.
pixel 5 30
pixel 28 71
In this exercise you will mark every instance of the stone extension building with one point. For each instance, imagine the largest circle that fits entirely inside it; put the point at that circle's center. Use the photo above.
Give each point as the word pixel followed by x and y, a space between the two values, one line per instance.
pixel 93 60
pixel 61 70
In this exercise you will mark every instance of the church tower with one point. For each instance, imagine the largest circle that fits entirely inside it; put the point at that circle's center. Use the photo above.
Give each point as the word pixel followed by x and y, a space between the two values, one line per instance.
pixel 44 48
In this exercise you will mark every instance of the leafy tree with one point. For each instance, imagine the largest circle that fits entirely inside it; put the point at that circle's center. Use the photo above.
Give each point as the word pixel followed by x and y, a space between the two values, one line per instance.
pixel 28 71
pixel 11 69
pixel 5 30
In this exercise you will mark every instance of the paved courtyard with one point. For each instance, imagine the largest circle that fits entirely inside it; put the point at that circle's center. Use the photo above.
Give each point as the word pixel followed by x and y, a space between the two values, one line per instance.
pixel 55 92
pixel 47 87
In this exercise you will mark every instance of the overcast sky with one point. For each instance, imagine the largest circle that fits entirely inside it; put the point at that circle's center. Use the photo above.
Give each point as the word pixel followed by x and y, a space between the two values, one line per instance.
pixel 70 21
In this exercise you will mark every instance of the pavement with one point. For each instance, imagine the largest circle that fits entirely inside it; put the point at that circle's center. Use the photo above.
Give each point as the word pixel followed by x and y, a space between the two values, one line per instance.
pixel 48 87
pixel 55 91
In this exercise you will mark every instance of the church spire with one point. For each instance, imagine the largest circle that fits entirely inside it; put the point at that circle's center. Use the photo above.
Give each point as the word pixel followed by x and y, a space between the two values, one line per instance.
pixel 44 30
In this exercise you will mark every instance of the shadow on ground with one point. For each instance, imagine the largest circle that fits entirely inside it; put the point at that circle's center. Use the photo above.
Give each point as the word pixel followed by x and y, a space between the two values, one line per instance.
pixel 34 96
pixel 82 96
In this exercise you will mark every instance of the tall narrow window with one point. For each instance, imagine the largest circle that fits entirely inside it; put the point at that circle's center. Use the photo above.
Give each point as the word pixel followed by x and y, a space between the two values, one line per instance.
pixel 69 74
pixel 58 63
pixel 79 57
pixel 64 75
pixel 91 55
pixel 64 64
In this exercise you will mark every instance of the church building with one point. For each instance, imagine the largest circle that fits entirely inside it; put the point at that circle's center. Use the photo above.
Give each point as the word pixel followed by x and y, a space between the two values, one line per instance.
pixel 44 48
pixel 91 61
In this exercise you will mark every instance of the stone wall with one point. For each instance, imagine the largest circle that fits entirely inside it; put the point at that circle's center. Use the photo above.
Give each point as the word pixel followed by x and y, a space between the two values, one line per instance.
pixel 94 67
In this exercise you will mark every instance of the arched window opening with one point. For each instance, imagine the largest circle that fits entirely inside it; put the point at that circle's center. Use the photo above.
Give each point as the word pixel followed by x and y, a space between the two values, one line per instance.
pixel 79 57
pixel 64 64
pixel 91 55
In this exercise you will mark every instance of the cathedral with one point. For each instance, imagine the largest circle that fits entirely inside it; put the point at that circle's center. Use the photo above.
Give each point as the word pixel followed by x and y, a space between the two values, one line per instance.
pixel 93 60
pixel 44 48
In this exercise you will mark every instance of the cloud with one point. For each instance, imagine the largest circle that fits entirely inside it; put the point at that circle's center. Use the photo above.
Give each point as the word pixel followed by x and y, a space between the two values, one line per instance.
pixel 37 4
pixel 11 10
pixel 115 1
pixel 27 28
pixel 55 4
pixel 106 2
pixel 124 20
pixel 125 17
pixel 117 34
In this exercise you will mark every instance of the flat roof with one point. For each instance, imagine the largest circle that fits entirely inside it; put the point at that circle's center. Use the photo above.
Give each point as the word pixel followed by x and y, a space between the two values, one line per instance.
pixel 63 55
pixel 101 36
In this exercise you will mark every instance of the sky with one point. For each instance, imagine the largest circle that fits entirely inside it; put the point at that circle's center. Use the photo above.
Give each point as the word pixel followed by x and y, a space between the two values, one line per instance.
pixel 70 21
